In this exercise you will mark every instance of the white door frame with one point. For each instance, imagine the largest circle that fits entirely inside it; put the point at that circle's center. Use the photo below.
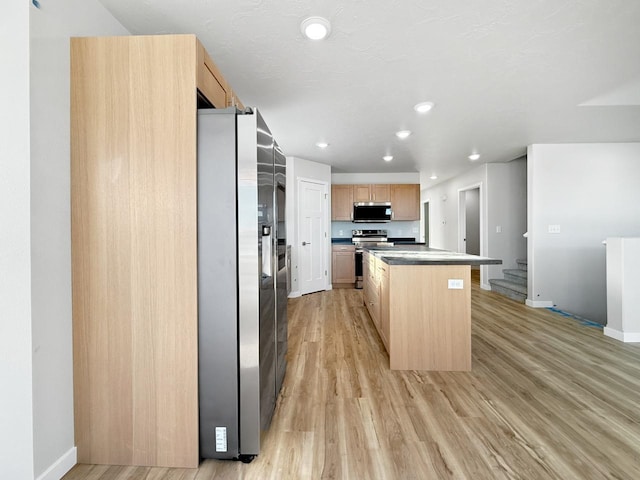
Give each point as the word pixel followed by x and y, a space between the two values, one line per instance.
pixel 426 221
pixel 324 247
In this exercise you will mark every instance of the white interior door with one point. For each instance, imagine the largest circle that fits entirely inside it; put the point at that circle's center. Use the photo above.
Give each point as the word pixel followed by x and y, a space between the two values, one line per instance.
pixel 312 208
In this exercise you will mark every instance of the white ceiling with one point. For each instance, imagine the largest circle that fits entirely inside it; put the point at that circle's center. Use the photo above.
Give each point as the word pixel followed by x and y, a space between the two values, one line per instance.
pixel 502 73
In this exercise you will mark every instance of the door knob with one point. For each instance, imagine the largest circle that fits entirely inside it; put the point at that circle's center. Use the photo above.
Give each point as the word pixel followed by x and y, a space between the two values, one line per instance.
pixel 306 243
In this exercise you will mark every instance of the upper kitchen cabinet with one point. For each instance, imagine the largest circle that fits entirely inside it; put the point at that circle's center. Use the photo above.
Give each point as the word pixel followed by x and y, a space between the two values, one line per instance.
pixel 341 203
pixel 211 83
pixel 372 193
pixel 134 245
pixel 405 201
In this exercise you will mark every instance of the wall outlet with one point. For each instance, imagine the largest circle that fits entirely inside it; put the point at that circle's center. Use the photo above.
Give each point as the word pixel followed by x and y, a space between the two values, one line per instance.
pixel 498 228
pixel 554 228
pixel 455 284
pixel 341 232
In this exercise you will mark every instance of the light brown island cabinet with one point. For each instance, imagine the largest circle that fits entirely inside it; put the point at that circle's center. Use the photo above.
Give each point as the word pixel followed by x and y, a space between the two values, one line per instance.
pixel 343 264
pixel 423 324
pixel 134 102
pixel 372 193
pixel 405 201
pixel 370 287
pixel 341 203
pixel 383 300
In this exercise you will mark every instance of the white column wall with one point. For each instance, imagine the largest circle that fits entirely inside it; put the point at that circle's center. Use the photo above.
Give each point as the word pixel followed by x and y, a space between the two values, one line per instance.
pixel 50 30
pixel 623 285
pixel 590 191
pixel 16 432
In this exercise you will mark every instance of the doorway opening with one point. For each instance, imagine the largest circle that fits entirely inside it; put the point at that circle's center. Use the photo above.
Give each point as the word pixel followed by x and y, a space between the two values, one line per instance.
pixel 425 216
pixel 470 222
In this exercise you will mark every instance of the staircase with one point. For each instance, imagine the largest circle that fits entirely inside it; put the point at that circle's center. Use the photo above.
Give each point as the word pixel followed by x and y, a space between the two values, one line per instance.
pixel 514 284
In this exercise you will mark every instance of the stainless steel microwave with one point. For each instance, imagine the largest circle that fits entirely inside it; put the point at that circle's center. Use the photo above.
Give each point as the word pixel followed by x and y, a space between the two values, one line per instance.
pixel 371 212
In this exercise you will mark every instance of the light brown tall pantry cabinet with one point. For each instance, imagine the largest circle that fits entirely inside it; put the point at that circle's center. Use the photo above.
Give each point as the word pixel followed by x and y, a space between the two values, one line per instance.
pixel 134 103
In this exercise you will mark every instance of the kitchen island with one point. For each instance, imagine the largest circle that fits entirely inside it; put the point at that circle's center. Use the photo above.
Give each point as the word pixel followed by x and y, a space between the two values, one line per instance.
pixel 419 299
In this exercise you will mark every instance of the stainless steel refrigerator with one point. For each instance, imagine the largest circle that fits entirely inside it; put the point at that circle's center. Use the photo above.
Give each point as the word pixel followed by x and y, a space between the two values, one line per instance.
pixel 242 274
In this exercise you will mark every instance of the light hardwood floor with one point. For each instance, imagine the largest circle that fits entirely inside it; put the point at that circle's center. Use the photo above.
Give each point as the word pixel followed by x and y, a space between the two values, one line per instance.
pixel 547 398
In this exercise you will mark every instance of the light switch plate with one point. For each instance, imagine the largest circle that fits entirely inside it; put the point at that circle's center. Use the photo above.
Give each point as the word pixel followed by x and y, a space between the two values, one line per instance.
pixel 455 284
pixel 554 229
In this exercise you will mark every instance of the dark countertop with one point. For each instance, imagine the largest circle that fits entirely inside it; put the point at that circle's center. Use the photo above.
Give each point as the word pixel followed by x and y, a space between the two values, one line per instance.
pixel 395 240
pixel 343 241
pixel 422 255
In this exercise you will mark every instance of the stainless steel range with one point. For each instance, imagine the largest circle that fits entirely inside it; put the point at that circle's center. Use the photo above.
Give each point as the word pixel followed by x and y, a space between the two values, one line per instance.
pixel 362 238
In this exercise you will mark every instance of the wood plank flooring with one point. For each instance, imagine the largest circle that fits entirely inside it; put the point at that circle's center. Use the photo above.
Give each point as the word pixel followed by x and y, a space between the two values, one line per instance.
pixel 547 398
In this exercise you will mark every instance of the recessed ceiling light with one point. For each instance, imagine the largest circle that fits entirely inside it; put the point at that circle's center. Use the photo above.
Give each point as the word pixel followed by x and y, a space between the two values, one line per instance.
pixel 315 28
pixel 402 134
pixel 387 158
pixel 423 107
pixel 474 156
pixel 433 177
pixel 322 144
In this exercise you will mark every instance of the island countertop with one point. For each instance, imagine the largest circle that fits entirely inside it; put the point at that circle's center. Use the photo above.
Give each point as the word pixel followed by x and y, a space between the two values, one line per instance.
pixel 422 255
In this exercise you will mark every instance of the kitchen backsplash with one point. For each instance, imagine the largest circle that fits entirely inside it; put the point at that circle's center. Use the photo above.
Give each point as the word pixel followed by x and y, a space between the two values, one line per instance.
pixel 394 229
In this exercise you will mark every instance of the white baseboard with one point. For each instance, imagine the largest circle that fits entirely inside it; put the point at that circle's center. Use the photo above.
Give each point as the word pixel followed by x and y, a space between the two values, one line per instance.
pixel 627 337
pixel 539 303
pixel 329 287
pixel 61 466
pixel 485 286
pixel 295 294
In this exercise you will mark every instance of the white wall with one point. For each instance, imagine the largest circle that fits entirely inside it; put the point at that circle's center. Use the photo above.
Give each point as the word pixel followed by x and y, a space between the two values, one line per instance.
pixel 305 169
pixel 36 404
pixel 355 178
pixel 443 201
pixel 590 191
pixel 502 203
pixel 16 434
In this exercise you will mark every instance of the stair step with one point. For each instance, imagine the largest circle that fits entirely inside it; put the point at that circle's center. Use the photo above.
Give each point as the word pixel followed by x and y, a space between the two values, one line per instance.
pixel 522 264
pixel 509 289
pixel 515 275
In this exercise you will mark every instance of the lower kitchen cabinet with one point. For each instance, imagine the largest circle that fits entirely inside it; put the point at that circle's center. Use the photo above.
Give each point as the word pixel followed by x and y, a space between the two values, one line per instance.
pixel 383 300
pixel 343 264
pixel 371 290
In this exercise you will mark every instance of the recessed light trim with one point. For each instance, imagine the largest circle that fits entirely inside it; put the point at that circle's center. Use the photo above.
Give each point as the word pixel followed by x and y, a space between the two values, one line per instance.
pixel 402 134
pixel 387 158
pixel 423 107
pixel 322 145
pixel 433 177
pixel 474 156
pixel 315 28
